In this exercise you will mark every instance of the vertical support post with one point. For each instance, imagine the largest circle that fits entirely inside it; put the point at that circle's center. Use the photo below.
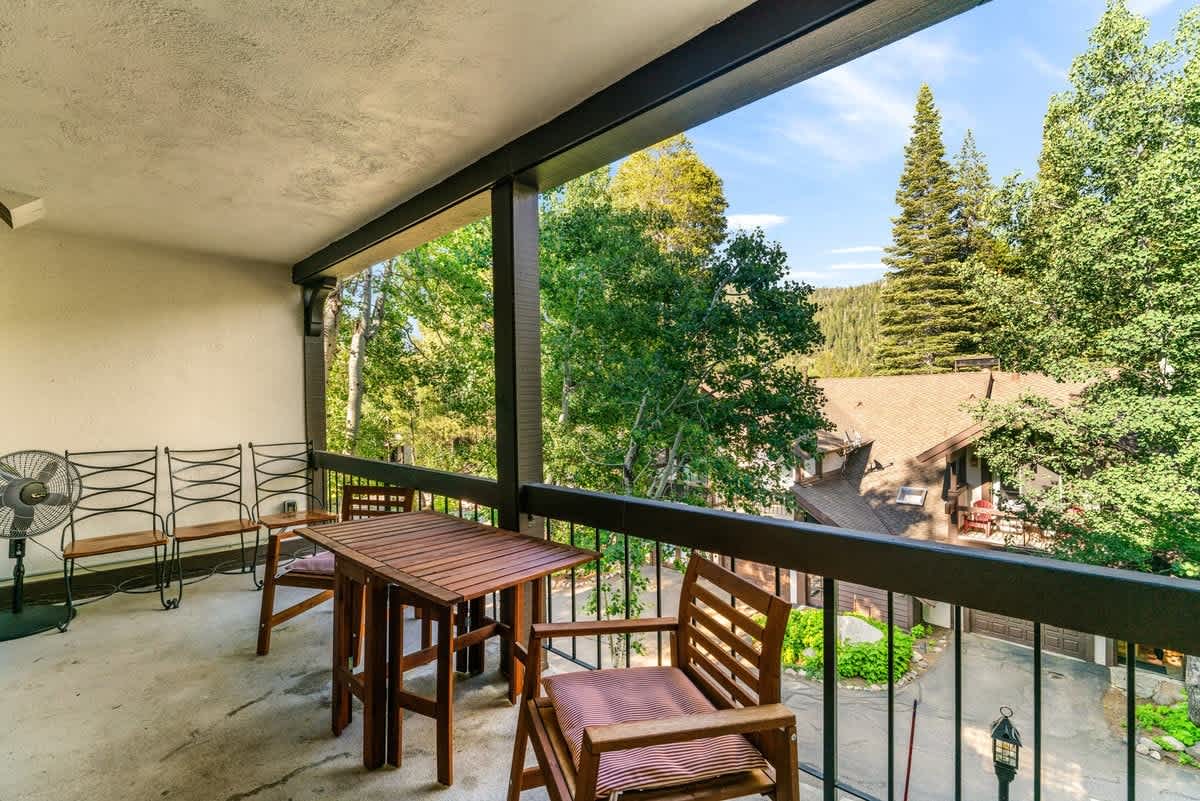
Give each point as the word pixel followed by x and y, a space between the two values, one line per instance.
pixel 517 323
pixel 517 320
pixel 313 295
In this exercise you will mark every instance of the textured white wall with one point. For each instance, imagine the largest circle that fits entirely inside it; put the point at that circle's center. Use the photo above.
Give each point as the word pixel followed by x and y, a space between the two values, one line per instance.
pixel 109 344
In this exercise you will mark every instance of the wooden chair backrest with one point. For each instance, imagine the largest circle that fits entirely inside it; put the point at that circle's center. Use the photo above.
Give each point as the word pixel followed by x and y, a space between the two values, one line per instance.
pixel 359 502
pixel 730 636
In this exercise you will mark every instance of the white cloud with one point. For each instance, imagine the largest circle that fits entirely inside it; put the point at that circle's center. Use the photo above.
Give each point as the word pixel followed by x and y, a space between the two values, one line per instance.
pixel 1042 64
pixel 1147 7
pixel 744 153
pixel 810 274
pixel 749 221
pixel 858 249
pixel 868 103
pixel 858 265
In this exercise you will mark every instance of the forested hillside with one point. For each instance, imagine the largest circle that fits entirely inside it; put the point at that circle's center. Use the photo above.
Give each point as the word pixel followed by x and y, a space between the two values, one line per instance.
pixel 849 319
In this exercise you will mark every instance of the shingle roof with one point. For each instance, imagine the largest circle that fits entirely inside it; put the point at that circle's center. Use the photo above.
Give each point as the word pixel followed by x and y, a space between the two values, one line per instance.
pixel 898 418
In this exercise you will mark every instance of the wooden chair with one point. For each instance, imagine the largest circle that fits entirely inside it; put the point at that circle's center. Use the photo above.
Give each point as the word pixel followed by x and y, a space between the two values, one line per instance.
pixel 316 572
pixel 709 726
pixel 118 490
pixel 979 518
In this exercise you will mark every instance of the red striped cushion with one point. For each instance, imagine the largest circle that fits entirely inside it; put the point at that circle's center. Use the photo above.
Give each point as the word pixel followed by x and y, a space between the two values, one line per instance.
pixel 321 564
pixel 596 697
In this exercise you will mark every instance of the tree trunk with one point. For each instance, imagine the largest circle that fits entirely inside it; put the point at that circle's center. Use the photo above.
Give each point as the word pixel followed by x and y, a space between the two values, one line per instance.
pixel 1192 681
pixel 564 414
pixel 631 453
pixel 329 326
pixel 354 363
pixel 668 472
pixel 374 301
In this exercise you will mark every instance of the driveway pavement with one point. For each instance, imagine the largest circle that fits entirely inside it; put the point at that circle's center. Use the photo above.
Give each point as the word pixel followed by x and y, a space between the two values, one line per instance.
pixel 1083 758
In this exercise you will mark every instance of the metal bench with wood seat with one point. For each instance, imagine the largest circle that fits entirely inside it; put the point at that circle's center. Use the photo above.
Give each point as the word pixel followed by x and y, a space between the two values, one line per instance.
pixel 208 482
pixel 283 480
pixel 706 727
pixel 118 490
pixel 317 572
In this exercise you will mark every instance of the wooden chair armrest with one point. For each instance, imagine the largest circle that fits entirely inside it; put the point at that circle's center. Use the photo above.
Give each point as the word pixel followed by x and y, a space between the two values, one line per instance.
pixel 544 631
pixel 622 736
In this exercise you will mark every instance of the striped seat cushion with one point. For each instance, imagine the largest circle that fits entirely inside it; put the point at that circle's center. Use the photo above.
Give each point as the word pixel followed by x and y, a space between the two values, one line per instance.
pixel 597 697
pixel 321 564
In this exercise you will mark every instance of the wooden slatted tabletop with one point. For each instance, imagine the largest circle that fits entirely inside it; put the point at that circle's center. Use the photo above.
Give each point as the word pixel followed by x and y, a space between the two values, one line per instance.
pixel 444 565
pixel 444 559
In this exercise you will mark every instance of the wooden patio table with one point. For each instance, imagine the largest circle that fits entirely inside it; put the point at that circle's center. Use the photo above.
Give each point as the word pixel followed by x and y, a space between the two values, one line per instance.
pixel 445 566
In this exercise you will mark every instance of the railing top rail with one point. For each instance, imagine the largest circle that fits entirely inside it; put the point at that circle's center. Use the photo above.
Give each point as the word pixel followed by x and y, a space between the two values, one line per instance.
pixel 1128 605
pixel 476 489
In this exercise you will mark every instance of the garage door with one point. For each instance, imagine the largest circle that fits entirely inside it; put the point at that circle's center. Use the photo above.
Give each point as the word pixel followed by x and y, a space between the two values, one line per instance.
pixel 1054 638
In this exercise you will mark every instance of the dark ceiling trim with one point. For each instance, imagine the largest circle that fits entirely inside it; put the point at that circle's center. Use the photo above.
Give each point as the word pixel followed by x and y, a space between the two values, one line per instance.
pixel 734 48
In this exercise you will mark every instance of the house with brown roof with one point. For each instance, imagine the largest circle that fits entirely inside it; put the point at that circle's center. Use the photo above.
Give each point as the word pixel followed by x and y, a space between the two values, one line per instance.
pixel 900 459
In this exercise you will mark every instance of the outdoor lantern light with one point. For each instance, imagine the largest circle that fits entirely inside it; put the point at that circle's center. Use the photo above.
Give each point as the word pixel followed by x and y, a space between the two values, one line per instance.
pixel 1006 750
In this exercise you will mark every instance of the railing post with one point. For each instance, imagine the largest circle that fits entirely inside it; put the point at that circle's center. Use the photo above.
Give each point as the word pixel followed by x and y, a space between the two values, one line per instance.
pixel 517 322
pixel 829 690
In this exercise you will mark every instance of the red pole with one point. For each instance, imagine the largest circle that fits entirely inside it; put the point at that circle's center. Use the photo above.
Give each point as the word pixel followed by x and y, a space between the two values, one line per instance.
pixel 912 732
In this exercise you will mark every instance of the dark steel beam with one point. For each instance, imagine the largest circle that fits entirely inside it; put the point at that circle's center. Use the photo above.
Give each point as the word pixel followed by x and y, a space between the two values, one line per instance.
pixel 518 347
pixel 765 47
pixel 1099 600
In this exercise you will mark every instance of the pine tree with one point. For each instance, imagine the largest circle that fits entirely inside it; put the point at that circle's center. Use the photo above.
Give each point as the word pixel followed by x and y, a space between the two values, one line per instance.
pixel 976 195
pixel 926 319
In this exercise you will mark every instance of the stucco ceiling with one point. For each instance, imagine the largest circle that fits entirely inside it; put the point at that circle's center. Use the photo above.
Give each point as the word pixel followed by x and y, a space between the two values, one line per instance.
pixel 267 128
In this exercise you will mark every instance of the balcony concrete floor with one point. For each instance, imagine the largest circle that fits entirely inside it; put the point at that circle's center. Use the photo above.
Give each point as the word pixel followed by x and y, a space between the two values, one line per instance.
pixel 137 704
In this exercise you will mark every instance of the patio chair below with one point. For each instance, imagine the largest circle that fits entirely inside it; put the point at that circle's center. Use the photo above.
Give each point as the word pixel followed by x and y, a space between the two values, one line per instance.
pixel 706 727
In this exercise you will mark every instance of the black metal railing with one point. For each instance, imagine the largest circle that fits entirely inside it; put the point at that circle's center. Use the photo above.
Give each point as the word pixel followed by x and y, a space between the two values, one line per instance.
pixel 632 534
pixel 470 497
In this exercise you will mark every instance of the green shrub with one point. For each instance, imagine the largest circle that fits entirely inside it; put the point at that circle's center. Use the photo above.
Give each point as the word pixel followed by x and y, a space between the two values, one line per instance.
pixel 1172 720
pixel 919 631
pixel 1184 759
pixel 868 661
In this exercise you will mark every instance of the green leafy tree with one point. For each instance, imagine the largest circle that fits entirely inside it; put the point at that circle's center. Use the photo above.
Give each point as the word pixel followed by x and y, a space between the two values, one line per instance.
pixel 671 182
pixel 926 318
pixel 1098 280
pixel 664 371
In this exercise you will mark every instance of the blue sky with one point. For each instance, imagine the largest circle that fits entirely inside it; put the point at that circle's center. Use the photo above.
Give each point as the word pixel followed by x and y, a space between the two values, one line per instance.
pixel 816 165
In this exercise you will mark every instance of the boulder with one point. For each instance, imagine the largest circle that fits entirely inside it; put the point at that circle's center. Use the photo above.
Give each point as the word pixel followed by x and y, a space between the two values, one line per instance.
pixel 1147 743
pixel 1143 750
pixel 1170 743
pixel 1194 752
pixel 1168 693
pixel 1147 684
pixel 855 630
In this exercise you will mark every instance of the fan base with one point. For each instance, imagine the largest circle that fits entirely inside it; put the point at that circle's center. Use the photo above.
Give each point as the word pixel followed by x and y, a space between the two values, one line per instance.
pixel 31 620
